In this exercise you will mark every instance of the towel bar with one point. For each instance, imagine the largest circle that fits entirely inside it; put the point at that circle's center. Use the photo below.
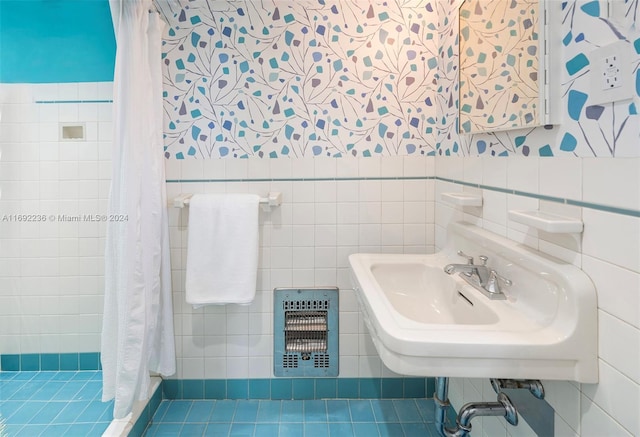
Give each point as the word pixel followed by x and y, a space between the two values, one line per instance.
pixel 274 198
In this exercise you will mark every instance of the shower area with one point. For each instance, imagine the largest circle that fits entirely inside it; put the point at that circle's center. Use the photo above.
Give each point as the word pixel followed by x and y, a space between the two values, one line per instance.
pixel 57 129
pixel 55 173
pixel 54 194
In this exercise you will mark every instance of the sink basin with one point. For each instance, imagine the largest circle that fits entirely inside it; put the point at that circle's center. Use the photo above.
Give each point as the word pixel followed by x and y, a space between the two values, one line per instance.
pixel 404 285
pixel 427 323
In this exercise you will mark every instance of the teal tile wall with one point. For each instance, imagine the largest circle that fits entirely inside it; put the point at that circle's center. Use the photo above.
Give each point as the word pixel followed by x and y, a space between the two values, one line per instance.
pixel 50 362
pixel 299 388
pixel 148 412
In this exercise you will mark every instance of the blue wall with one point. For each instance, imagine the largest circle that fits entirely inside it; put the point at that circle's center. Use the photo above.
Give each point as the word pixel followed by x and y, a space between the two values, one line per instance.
pixel 48 41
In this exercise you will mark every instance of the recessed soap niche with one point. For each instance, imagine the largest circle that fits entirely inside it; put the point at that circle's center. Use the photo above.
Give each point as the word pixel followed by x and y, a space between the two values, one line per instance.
pixel 72 131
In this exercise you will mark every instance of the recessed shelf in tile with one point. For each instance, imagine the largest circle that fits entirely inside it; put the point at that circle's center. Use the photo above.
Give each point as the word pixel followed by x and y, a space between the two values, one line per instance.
pixel 72 132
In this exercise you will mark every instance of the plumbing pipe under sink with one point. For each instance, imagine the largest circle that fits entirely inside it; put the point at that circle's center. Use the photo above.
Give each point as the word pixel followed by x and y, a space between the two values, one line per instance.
pixel 503 407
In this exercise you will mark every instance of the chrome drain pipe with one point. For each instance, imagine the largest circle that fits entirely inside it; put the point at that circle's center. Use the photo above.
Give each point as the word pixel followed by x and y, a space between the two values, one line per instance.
pixel 441 400
pixel 533 385
pixel 503 407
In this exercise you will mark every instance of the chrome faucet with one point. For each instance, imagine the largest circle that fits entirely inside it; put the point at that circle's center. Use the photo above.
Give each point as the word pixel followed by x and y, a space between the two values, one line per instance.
pixel 479 272
pixel 480 276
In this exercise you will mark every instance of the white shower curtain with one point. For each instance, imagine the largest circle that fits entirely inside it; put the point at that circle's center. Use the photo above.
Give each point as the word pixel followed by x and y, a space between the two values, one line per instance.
pixel 137 329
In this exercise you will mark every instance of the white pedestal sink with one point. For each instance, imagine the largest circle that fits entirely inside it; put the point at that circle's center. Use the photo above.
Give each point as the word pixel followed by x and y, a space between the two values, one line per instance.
pixel 427 323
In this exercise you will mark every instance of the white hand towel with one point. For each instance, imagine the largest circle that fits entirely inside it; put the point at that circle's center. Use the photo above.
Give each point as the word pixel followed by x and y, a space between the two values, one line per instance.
pixel 222 251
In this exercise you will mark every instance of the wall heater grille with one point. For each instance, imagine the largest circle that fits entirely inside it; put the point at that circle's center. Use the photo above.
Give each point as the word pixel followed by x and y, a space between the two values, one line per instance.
pixel 305 331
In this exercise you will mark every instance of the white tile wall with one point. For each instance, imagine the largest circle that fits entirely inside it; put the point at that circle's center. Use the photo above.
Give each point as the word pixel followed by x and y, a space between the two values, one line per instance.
pixel 608 251
pixel 607 236
pixel 52 271
pixel 523 174
pixel 614 182
pixel 304 242
pixel 561 177
pixel 596 422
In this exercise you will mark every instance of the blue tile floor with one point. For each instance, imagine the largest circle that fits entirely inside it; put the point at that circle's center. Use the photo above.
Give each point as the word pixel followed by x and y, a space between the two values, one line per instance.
pixel 53 404
pixel 314 418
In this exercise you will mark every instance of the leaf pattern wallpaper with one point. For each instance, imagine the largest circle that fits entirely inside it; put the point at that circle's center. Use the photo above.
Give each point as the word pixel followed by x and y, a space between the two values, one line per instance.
pixel 499 65
pixel 277 79
pixel 283 78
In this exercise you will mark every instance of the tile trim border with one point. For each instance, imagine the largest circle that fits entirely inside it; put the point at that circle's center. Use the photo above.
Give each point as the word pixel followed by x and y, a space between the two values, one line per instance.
pixel 299 388
pixel 146 416
pixel 49 102
pixel 580 203
pixel 334 179
pixel 50 362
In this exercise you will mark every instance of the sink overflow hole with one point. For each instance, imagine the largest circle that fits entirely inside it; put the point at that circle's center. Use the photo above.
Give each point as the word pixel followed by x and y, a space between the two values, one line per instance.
pixel 465 298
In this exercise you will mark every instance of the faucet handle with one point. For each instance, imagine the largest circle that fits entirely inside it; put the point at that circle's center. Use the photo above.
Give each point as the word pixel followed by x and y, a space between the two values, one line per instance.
pixel 484 259
pixel 464 255
pixel 493 283
pixel 494 279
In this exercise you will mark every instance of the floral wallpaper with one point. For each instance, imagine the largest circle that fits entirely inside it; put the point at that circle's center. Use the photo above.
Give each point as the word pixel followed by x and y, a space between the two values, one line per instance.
pixel 603 130
pixel 499 87
pixel 300 78
pixel 270 79
pixel 448 139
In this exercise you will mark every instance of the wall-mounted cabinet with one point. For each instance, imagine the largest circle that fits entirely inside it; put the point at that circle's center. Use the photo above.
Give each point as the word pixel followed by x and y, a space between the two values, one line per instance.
pixel 506 71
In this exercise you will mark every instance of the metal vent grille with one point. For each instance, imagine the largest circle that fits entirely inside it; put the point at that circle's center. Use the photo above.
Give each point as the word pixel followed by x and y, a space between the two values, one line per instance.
pixel 321 360
pixel 290 361
pixel 305 305
pixel 306 331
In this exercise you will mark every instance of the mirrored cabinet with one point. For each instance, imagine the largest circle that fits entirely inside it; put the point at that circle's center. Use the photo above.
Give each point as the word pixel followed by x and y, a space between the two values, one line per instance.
pixel 505 65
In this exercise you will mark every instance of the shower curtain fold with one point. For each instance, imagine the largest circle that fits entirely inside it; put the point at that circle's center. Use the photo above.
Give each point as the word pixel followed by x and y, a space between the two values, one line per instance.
pixel 137 328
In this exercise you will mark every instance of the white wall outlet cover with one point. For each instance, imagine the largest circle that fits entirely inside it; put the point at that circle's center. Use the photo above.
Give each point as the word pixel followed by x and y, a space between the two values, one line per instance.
pixel 611 73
